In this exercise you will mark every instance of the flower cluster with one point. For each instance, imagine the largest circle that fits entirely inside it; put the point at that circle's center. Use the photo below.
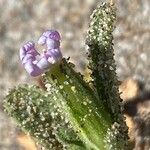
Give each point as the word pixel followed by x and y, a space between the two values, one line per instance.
pixel 36 63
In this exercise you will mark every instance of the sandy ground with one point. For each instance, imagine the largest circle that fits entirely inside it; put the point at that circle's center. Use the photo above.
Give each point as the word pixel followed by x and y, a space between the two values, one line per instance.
pixel 23 20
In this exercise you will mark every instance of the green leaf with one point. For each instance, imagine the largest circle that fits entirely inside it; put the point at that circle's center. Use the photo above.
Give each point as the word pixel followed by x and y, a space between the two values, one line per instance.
pixel 38 114
pixel 102 65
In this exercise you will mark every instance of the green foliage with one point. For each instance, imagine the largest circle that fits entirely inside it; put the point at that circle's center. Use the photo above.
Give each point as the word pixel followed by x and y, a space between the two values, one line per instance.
pixel 69 114
pixel 102 63
pixel 38 114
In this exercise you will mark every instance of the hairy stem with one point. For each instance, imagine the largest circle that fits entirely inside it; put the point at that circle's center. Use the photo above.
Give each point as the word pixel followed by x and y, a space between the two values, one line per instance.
pixel 84 110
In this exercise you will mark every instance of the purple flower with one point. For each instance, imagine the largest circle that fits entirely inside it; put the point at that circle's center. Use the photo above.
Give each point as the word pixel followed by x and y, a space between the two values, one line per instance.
pixel 51 38
pixel 35 63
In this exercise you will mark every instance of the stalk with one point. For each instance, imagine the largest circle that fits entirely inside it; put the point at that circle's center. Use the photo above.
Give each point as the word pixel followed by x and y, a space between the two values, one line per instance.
pixel 85 112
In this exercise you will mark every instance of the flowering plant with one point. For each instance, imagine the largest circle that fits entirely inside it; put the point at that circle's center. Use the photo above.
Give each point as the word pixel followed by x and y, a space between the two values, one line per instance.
pixel 72 114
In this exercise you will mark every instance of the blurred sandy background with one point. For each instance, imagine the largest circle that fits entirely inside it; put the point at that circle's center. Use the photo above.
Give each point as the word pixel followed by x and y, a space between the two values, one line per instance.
pixel 23 20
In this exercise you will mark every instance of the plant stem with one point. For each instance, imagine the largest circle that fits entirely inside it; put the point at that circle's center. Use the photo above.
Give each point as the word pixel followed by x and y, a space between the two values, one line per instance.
pixel 84 110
